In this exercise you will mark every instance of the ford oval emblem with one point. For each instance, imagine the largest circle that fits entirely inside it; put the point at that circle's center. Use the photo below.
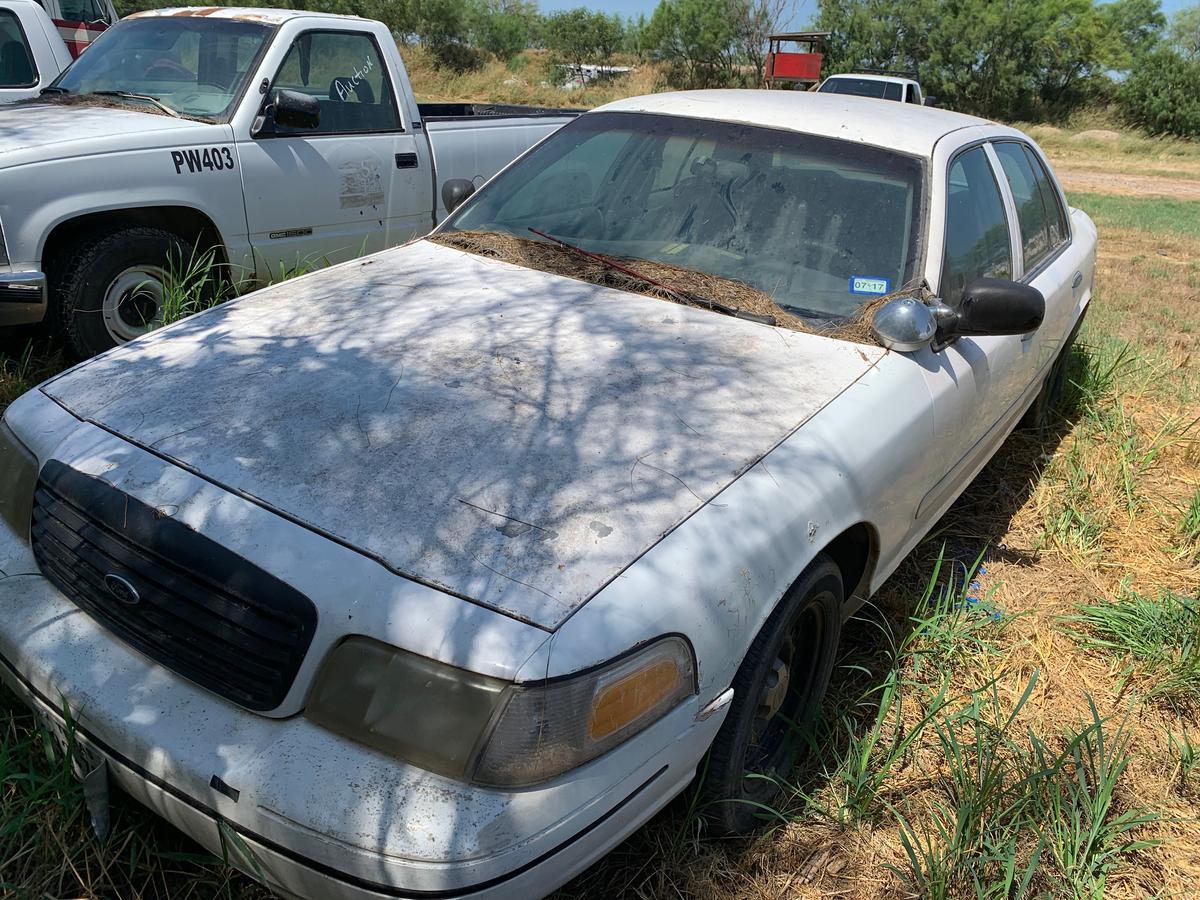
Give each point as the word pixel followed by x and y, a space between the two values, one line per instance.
pixel 122 589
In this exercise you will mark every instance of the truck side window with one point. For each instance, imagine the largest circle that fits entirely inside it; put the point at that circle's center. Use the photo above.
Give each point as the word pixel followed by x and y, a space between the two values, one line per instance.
pixel 16 65
pixel 977 237
pixel 83 11
pixel 345 72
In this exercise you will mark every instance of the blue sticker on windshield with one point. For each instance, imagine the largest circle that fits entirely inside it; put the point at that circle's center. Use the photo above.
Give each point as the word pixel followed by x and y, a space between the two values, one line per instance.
pixel 860 284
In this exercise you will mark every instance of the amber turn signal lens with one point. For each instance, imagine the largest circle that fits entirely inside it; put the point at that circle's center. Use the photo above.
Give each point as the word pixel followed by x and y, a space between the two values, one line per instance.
pixel 629 697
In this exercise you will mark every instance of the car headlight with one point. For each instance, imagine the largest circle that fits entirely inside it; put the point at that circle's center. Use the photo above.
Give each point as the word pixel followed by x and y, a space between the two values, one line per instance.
pixel 474 728
pixel 18 481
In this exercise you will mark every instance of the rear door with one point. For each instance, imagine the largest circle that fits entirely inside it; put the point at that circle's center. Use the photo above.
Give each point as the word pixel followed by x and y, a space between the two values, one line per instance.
pixel 1045 239
pixel 332 193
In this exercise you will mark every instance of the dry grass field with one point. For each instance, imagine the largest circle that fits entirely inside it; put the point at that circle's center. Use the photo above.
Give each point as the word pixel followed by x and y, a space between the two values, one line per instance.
pixel 1017 713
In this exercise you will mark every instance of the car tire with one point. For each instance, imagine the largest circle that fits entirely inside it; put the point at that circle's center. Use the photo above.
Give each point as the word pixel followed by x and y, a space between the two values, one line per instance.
pixel 111 286
pixel 755 748
pixel 1043 413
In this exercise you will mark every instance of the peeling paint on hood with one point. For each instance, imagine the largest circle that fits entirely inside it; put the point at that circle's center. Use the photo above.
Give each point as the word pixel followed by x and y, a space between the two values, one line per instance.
pixel 514 437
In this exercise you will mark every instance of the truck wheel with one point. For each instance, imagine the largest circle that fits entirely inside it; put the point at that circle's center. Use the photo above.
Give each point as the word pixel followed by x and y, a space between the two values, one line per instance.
pixel 777 692
pixel 112 287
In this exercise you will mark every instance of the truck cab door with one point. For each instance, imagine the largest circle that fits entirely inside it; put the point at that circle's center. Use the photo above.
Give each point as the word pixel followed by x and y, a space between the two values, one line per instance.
pixel 331 193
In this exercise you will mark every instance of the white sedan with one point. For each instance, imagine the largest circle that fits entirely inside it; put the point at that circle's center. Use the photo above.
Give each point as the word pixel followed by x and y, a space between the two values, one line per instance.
pixel 439 572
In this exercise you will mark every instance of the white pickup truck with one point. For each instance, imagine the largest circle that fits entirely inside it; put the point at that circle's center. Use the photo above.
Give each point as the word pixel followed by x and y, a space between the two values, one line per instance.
pixel 438 573
pixel 878 85
pixel 285 139
pixel 31 51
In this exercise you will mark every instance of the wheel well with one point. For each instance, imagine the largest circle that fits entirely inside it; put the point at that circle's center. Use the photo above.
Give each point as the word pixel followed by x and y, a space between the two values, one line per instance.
pixel 855 551
pixel 190 224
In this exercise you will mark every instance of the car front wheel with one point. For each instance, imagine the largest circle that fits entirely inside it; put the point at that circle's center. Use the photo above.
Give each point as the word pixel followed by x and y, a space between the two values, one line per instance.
pixel 777 693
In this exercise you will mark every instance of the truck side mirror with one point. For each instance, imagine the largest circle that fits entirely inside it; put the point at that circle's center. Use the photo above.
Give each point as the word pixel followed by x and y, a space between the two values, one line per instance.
pixel 296 110
pixel 455 192
pixel 930 101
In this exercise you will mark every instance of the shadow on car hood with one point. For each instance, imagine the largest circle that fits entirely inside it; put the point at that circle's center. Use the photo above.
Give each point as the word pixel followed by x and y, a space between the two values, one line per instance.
pixel 514 437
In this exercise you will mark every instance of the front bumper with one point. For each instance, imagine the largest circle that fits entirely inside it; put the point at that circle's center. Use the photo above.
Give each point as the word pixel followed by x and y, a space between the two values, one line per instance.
pixel 22 298
pixel 307 812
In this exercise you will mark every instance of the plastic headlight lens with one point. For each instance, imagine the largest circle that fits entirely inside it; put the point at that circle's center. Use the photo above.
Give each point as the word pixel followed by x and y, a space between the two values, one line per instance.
pixel 18 480
pixel 430 714
pixel 547 729
pixel 479 729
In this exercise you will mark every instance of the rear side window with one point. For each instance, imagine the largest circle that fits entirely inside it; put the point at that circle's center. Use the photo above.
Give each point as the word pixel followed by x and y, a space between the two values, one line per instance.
pixel 344 72
pixel 1043 227
pixel 16 63
pixel 977 238
pixel 83 11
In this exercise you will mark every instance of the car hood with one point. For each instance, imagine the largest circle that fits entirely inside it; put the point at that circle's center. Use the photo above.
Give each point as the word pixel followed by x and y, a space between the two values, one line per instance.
pixel 36 131
pixel 513 437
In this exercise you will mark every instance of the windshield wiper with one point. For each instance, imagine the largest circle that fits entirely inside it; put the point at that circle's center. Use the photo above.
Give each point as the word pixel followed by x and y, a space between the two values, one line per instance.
pixel 145 98
pixel 685 297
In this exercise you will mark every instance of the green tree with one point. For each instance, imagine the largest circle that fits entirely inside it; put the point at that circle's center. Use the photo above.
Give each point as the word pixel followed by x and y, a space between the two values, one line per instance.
pixel 697 39
pixel 1016 59
pixel 1162 94
pixel 503 27
pixel 580 36
pixel 1185 32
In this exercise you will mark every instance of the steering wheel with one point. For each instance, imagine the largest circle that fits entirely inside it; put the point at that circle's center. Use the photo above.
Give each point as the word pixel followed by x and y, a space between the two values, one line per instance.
pixel 167 67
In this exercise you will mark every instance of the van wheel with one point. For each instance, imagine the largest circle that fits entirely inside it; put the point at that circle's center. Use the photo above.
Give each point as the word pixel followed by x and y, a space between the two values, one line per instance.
pixel 777 693
pixel 112 287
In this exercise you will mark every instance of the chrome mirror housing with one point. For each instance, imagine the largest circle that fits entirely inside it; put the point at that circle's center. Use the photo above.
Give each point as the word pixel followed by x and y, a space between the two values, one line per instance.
pixel 904 324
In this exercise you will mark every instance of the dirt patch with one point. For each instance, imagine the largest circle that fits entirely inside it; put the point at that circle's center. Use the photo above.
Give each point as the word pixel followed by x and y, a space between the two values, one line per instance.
pixel 557 260
pixel 1097 134
pixel 1094 182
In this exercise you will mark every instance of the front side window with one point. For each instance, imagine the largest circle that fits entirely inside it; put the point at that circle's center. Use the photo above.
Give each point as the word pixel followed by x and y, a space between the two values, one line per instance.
pixel 196 68
pixel 16 62
pixel 818 224
pixel 977 237
pixel 344 72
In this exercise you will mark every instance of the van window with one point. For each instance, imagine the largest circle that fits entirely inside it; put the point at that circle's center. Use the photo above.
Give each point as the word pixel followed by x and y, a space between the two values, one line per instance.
pixel 16 62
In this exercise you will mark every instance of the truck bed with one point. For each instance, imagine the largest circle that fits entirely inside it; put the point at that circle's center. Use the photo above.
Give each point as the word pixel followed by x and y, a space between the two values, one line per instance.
pixel 444 111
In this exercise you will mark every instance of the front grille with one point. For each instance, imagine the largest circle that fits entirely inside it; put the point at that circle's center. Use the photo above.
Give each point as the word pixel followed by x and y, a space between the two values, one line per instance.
pixel 195 606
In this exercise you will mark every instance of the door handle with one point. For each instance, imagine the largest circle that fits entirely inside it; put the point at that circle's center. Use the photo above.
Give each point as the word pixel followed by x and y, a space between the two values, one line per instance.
pixel 1077 282
pixel 406 160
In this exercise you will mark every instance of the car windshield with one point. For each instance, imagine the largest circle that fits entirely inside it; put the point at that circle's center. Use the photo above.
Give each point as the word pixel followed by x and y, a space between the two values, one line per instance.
pixel 194 67
pixel 862 87
pixel 820 225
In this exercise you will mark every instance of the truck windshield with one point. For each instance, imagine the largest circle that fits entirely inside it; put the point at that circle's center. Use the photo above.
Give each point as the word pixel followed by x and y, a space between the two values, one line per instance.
pixel 820 225
pixel 195 67
pixel 862 87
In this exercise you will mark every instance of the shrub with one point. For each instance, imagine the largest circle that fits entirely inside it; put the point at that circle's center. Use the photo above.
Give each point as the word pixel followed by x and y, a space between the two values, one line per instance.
pixel 1162 94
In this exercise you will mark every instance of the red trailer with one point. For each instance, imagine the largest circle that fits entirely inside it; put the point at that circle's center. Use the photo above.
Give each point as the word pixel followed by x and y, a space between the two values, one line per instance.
pixel 801 66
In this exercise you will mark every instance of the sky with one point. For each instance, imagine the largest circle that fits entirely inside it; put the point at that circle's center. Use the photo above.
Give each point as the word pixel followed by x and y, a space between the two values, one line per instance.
pixel 806 10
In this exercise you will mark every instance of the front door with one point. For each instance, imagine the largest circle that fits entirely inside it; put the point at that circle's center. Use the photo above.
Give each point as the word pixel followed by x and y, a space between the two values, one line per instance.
pixel 976 383
pixel 332 193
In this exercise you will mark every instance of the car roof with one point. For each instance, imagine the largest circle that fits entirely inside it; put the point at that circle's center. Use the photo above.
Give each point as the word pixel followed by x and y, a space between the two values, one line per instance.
pixel 905 127
pixel 242 13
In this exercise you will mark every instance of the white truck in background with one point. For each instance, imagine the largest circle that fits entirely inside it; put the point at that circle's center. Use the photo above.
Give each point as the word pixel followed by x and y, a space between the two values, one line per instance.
pixel 79 22
pixel 31 51
pixel 901 87
pixel 284 139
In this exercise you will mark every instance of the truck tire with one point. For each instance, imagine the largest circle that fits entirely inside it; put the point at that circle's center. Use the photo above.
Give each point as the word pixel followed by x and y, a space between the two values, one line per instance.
pixel 111 286
pixel 777 692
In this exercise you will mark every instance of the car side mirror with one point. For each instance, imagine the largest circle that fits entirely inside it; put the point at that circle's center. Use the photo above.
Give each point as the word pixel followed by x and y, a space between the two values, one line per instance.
pixel 993 306
pixel 455 192
pixel 930 101
pixel 296 110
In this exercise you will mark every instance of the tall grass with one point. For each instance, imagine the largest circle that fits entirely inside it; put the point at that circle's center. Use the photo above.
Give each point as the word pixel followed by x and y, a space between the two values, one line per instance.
pixel 1155 640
